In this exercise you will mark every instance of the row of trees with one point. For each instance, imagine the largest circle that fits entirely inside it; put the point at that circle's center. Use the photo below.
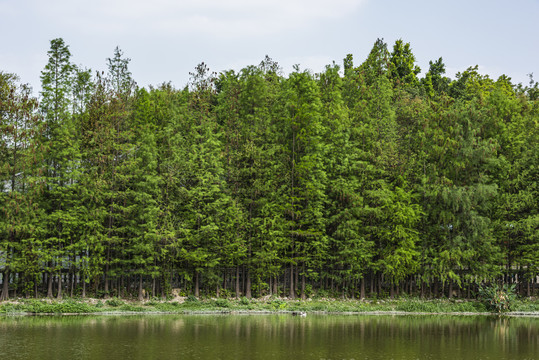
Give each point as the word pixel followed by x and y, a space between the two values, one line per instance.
pixel 365 180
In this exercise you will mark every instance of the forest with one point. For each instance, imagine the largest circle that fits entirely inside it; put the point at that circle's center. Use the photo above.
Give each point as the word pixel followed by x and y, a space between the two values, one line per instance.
pixel 366 180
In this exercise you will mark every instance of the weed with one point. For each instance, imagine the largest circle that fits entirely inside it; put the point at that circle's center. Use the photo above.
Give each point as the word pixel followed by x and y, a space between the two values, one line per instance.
pixel 498 298
pixel 222 303
pixel 244 301
pixel 114 302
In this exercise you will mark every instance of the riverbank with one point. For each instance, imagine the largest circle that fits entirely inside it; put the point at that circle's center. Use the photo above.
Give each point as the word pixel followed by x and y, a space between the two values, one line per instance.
pixel 182 305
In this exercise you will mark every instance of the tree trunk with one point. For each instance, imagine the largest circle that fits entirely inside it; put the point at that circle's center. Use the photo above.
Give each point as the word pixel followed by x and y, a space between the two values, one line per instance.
pixel 197 290
pixel 296 280
pixel 107 272
pixel 140 293
pixel 292 294
pixel 59 295
pixel 225 274
pixel 248 284
pixel 128 286
pixel 83 288
pixel 303 296
pixel 106 290
pixel 237 282
pixel 49 285
pixel 5 285
pixel 362 290
pixel 69 279
pixel 73 283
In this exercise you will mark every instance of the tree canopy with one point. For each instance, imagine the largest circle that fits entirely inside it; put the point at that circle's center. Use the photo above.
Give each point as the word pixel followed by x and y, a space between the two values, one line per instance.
pixel 365 180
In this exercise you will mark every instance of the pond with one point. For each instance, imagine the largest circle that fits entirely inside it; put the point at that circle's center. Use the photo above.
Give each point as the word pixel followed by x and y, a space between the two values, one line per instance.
pixel 269 337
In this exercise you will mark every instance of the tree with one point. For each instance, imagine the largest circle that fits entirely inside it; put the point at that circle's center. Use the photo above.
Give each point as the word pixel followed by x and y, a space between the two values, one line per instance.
pixel 21 152
pixel 403 69
pixel 303 185
pixel 459 191
pixel 119 75
pixel 470 84
pixel 434 78
pixel 350 251
pixel 63 161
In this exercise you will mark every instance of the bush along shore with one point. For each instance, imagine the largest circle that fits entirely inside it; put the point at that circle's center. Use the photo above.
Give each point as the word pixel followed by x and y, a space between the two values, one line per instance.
pixel 191 304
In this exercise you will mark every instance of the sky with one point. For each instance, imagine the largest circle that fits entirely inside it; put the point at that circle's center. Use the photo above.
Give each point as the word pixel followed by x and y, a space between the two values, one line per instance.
pixel 166 39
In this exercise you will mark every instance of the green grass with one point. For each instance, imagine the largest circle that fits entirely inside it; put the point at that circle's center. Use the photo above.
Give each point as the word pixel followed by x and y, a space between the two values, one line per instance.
pixel 192 304
pixel 526 306
pixel 44 307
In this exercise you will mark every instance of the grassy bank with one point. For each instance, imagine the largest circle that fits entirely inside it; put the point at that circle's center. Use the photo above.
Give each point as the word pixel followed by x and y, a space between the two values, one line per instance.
pixel 191 305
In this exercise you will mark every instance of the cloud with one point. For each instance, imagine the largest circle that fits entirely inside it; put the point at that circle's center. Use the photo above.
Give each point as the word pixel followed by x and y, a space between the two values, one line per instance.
pixel 217 18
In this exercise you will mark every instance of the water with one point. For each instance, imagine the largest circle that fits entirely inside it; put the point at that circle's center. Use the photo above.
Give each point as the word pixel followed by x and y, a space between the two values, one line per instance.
pixel 269 337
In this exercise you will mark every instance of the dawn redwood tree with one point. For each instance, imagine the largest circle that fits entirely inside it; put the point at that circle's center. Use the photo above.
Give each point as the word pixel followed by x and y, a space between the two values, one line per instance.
pixel 350 252
pixel 20 184
pixel 435 82
pixel 119 168
pixel 512 124
pixel 208 211
pixel 62 196
pixel 304 178
pixel 145 186
pixel 403 69
pixel 119 75
pixel 95 158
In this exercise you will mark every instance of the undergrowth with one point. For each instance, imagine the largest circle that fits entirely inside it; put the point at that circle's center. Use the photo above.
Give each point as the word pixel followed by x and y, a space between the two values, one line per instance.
pixel 193 304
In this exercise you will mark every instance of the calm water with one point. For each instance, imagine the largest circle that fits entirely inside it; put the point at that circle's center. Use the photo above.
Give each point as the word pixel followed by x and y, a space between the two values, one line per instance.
pixel 269 337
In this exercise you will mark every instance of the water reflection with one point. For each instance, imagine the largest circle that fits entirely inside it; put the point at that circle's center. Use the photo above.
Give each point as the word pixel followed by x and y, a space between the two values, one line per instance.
pixel 269 337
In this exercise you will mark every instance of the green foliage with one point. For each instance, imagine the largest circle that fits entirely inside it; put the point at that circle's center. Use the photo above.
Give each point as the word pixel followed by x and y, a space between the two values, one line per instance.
pixel 222 303
pixel 45 307
pixel 403 68
pixel 367 181
pixel 278 304
pixel 439 306
pixel 192 299
pixel 498 298
pixel 114 302
pixel 131 308
pixel 244 301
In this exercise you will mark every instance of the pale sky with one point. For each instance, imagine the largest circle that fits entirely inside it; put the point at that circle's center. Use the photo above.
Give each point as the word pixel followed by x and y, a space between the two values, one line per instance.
pixel 166 39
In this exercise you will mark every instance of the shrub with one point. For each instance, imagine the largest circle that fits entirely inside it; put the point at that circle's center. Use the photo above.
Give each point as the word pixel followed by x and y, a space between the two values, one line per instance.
pixel 128 307
pixel 278 304
pixel 222 303
pixel 498 298
pixel 114 302
pixel 244 301
pixel 152 302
